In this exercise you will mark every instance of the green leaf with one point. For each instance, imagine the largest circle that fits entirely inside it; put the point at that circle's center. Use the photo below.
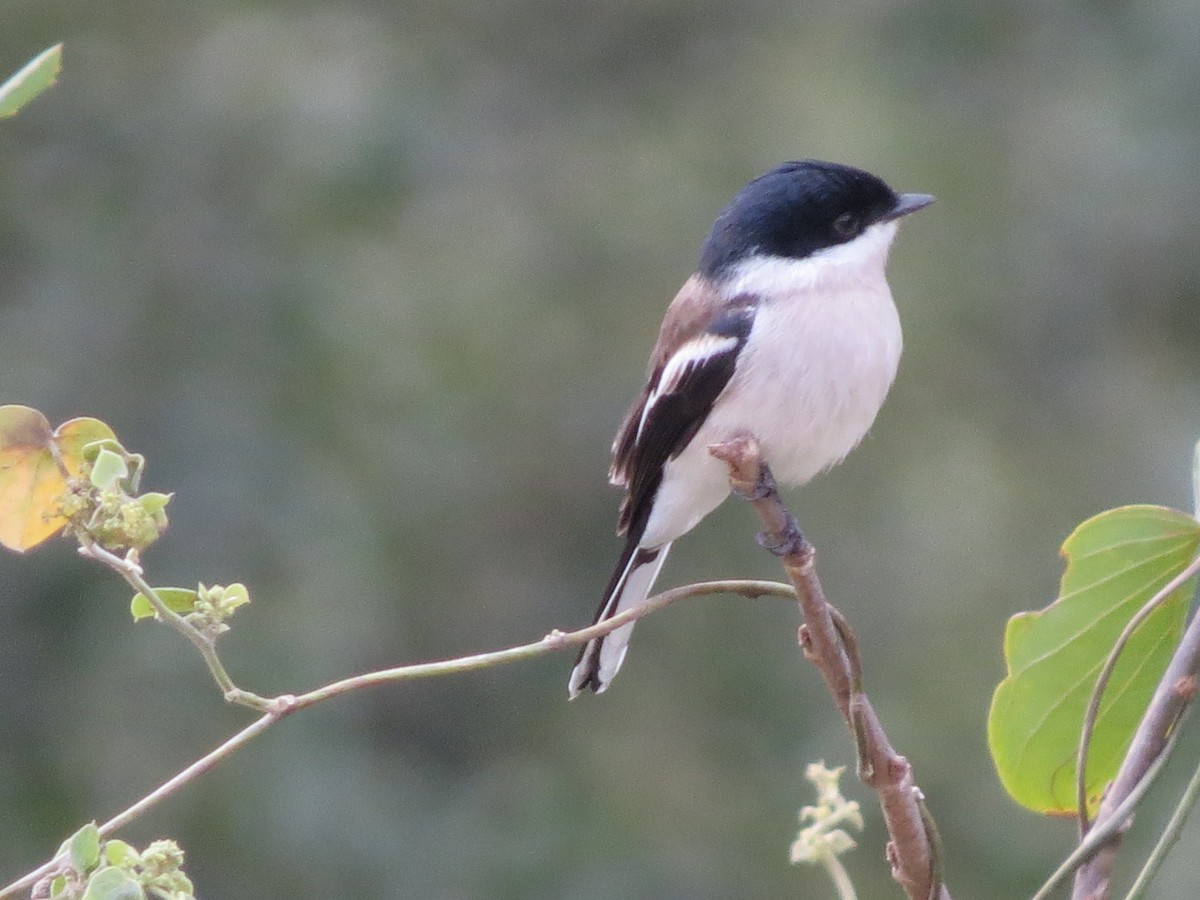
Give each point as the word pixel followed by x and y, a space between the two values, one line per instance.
pixel 84 848
pixel 1116 562
pixel 153 502
pixel 34 77
pixel 57 887
pixel 109 470
pixel 119 853
pixel 234 595
pixel 111 883
pixel 180 600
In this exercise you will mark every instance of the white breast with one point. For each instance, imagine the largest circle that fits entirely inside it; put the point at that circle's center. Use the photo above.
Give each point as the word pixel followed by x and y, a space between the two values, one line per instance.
pixel 819 369
pixel 809 382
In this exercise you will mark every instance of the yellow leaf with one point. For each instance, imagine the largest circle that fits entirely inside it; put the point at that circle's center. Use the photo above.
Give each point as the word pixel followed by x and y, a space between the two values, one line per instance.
pixel 31 484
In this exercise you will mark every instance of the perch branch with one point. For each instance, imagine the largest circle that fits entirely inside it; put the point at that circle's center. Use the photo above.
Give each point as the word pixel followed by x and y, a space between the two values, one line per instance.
pixel 828 642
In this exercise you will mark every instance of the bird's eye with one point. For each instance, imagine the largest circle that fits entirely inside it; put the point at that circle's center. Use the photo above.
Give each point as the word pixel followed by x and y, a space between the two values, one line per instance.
pixel 847 225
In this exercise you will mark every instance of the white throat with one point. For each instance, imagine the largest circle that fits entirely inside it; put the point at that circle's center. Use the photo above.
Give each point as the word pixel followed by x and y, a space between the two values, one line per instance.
pixel 860 261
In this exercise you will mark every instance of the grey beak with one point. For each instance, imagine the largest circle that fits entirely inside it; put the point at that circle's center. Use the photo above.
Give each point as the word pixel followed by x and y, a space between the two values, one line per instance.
pixel 909 203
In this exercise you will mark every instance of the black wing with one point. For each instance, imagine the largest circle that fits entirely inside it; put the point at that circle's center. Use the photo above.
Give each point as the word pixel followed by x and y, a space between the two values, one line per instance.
pixel 677 400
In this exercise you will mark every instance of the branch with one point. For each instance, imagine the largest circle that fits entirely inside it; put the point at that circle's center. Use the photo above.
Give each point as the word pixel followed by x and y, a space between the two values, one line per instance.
pixel 280 707
pixel 1172 696
pixel 829 644
pixel 128 568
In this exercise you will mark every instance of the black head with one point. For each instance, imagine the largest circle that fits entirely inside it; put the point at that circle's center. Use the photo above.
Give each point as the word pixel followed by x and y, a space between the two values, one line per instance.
pixel 799 208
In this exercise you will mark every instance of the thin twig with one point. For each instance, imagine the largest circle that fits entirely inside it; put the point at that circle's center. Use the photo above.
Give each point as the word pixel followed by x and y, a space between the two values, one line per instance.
pixel 553 641
pixel 280 707
pixel 828 643
pixel 132 573
pixel 1110 664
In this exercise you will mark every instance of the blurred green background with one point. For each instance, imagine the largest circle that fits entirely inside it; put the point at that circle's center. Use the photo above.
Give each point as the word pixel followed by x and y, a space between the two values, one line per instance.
pixel 371 285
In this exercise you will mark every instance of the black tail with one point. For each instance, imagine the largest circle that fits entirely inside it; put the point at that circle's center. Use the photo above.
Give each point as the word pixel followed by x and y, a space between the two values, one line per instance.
pixel 631 582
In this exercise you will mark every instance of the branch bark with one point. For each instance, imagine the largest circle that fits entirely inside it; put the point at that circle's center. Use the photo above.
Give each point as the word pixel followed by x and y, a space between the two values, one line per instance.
pixel 828 642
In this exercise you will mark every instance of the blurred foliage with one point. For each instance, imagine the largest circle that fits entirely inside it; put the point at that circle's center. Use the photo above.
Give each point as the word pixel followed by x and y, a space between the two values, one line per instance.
pixel 370 286
pixel 114 870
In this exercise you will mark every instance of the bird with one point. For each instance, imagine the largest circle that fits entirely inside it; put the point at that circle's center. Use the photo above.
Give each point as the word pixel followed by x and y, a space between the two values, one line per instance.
pixel 786 331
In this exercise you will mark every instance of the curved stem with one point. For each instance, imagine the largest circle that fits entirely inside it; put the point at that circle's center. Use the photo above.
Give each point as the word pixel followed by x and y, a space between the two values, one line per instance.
pixel 1160 723
pixel 556 640
pixel 132 573
pixel 1110 826
pixel 280 707
pixel 1110 664
pixel 840 878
